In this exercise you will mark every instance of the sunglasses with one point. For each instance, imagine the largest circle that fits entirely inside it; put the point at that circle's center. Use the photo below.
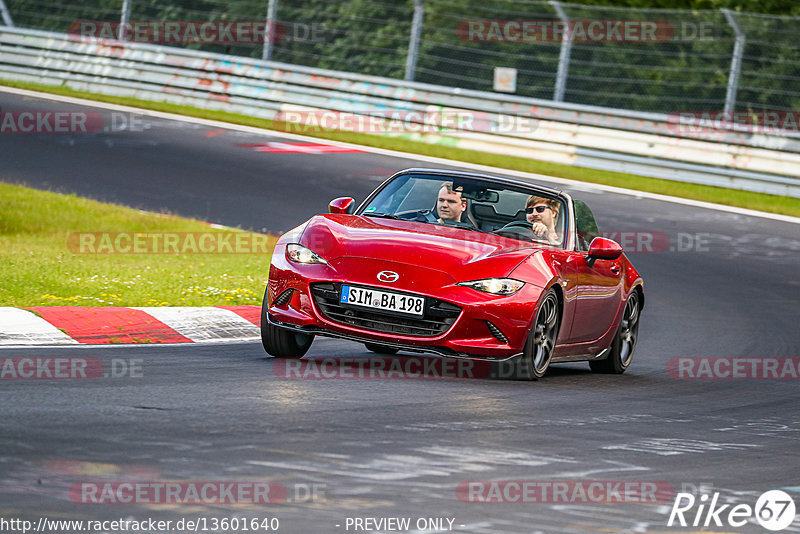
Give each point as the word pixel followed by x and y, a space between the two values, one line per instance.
pixel 538 209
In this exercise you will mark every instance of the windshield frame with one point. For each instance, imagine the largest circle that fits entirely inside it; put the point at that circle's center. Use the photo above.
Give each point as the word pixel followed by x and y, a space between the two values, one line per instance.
pixel 568 239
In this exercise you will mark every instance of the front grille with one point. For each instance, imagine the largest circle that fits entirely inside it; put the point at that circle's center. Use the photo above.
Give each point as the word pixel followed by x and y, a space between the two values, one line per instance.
pixel 437 317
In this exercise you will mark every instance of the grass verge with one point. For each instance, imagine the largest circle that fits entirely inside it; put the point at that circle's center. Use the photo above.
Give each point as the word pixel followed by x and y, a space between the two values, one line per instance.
pixel 757 201
pixel 44 263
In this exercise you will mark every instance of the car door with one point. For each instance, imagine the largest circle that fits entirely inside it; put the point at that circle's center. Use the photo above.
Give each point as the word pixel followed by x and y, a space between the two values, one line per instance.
pixel 599 282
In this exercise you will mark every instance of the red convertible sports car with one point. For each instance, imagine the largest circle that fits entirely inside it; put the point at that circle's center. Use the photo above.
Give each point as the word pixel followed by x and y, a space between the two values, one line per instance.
pixel 459 264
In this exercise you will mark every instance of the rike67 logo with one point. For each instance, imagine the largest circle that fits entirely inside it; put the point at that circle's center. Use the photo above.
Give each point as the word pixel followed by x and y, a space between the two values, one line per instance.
pixel 774 510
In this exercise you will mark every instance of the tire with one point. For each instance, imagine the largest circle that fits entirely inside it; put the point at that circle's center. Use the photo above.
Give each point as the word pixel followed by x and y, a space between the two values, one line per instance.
pixel 282 343
pixel 624 341
pixel 380 349
pixel 541 341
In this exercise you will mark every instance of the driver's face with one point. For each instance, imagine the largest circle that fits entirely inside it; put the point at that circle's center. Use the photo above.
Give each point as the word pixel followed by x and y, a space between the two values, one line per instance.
pixel 450 206
pixel 545 217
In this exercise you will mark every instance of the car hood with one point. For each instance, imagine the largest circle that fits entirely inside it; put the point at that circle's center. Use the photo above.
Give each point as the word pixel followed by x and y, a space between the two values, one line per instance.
pixel 462 254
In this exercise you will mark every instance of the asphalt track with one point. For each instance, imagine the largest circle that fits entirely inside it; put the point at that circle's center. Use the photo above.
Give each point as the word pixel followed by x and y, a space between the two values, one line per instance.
pixel 727 286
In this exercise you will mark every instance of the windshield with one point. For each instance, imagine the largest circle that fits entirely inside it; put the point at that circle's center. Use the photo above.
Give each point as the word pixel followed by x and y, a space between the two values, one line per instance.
pixel 526 214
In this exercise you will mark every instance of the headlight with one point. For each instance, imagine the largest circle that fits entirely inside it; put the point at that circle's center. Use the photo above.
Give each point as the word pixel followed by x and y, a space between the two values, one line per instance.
pixel 300 254
pixel 495 286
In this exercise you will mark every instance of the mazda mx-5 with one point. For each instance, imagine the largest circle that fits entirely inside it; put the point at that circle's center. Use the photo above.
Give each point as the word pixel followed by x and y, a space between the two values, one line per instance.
pixel 460 264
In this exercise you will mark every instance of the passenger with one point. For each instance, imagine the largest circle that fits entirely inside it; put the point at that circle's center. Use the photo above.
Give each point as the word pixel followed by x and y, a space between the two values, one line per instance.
pixel 449 204
pixel 542 213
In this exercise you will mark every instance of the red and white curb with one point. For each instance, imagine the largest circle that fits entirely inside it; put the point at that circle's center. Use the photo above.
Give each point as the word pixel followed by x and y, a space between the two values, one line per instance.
pixel 70 325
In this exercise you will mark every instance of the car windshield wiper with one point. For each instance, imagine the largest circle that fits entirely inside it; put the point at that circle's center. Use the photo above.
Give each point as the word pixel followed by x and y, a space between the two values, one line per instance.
pixel 381 215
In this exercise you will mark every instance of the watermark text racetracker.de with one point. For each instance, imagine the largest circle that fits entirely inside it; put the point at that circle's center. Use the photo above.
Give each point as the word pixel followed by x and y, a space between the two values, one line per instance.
pixel 382 368
pixel 59 121
pixel 398 368
pixel 212 242
pixel 240 242
pixel 734 367
pixel 521 31
pixel 656 242
pixel 431 120
pixel 632 241
pixel 565 491
pixel 173 32
pixel 710 123
pixel 554 31
pixel 217 492
pixel 68 368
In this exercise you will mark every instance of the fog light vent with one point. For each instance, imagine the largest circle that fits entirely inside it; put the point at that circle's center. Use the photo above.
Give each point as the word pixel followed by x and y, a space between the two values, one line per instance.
pixel 496 332
pixel 283 298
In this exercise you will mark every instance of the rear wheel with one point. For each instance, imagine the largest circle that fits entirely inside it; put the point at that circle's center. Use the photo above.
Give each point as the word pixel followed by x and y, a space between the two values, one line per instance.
pixel 624 342
pixel 542 338
pixel 280 342
pixel 380 349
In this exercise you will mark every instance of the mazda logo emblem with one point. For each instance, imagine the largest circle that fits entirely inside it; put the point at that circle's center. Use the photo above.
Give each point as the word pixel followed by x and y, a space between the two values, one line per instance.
pixel 388 276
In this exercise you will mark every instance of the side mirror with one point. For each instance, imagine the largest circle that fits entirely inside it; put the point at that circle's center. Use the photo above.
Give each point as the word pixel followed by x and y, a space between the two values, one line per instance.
pixel 343 205
pixel 604 249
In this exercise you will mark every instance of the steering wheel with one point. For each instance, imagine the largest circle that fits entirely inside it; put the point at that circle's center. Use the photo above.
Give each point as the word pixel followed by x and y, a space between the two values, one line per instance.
pixel 517 229
pixel 417 215
pixel 521 229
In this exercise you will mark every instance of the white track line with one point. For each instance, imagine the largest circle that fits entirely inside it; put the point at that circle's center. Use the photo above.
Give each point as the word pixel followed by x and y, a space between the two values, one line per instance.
pixel 485 168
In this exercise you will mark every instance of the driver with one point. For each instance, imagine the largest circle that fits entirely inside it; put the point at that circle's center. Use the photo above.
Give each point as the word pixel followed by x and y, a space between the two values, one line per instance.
pixel 449 204
pixel 542 213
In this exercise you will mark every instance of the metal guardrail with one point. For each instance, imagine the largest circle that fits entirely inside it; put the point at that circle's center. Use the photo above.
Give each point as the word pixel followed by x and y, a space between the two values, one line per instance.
pixel 645 59
pixel 641 143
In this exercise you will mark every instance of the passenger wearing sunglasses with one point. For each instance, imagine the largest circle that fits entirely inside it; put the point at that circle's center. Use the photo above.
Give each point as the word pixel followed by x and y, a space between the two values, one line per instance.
pixel 542 213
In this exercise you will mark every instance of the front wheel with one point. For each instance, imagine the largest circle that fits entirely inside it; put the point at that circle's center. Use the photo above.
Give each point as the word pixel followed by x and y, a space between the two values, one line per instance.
pixel 282 343
pixel 624 342
pixel 542 339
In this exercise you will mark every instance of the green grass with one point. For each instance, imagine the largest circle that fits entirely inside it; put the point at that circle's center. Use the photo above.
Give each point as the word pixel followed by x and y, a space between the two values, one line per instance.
pixel 39 267
pixel 758 201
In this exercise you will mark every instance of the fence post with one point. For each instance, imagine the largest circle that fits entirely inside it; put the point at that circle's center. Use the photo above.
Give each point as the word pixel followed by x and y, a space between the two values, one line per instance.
pixel 564 53
pixel 413 44
pixel 124 20
pixel 7 21
pixel 269 33
pixel 736 63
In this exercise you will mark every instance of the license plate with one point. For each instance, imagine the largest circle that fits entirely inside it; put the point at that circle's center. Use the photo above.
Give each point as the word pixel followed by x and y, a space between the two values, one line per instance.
pixel 382 300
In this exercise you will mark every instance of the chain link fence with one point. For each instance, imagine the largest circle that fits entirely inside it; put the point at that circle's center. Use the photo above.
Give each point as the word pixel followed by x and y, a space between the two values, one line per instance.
pixel 654 60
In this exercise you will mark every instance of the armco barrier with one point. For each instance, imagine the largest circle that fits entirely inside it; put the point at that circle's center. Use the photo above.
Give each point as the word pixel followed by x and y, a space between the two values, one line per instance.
pixel 618 140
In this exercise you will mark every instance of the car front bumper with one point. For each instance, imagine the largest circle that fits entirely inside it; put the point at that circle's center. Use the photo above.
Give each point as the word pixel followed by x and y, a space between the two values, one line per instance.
pixel 487 326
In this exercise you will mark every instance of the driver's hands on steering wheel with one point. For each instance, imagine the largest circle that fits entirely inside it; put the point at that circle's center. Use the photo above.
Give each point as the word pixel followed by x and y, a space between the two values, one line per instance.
pixel 543 232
